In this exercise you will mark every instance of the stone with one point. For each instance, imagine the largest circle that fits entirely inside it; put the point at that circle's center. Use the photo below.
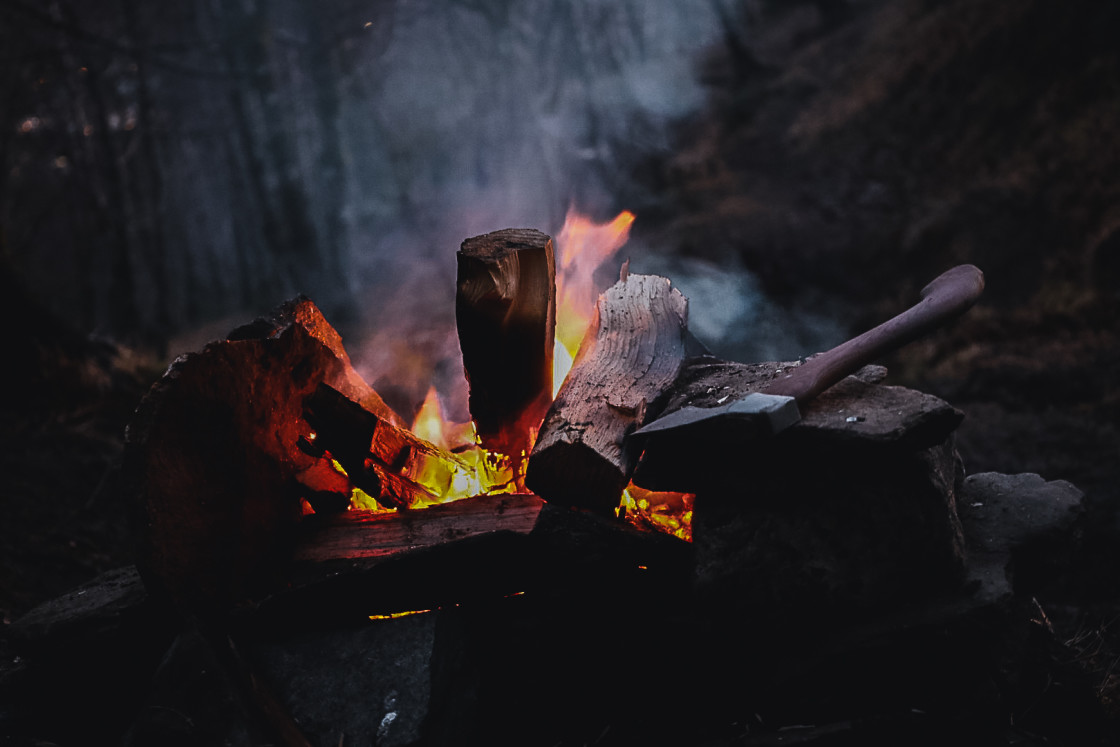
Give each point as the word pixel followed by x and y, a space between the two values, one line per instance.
pixel 1003 514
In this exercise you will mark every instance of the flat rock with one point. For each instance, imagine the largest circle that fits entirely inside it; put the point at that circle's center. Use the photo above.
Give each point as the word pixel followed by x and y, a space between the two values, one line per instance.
pixel 1001 514
pixel 857 411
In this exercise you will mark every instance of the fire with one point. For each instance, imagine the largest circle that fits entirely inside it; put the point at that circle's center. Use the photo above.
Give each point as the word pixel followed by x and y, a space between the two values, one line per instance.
pixel 431 425
pixel 582 247
pixel 670 513
pixel 488 473
pixel 468 470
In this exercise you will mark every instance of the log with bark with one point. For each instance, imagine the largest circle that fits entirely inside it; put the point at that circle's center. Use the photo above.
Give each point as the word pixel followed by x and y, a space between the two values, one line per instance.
pixel 212 468
pixel 505 309
pixel 632 352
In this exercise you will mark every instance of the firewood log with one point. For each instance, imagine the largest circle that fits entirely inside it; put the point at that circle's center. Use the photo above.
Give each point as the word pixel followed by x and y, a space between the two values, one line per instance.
pixel 632 352
pixel 505 309
pixel 301 310
pixel 355 535
pixel 211 465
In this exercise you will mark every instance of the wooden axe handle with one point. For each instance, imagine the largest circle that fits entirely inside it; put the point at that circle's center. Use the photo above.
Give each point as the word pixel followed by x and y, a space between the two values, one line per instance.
pixel 948 296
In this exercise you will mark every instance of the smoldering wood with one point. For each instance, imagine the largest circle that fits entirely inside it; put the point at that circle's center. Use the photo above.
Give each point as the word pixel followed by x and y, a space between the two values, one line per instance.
pixel 373 451
pixel 632 352
pixel 359 563
pixel 510 663
pixel 603 549
pixel 358 535
pixel 211 463
pixel 505 310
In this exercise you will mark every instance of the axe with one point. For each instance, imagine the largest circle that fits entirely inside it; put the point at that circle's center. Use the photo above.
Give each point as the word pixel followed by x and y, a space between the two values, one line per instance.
pixel 776 406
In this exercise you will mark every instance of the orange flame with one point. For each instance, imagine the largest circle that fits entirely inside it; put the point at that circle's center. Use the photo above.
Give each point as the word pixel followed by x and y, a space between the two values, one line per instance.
pixel 466 471
pixel 433 426
pixel 582 247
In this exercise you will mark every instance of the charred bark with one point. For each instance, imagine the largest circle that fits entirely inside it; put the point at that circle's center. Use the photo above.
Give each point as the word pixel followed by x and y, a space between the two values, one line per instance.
pixel 505 308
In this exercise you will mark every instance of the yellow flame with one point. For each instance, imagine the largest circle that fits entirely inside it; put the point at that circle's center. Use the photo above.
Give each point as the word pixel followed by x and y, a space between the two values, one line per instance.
pixel 582 247
pixel 428 423
pixel 465 471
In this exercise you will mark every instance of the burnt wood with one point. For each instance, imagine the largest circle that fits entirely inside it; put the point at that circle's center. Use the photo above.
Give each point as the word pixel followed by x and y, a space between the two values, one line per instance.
pixel 632 352
pixel 505 309
pixel 391 464
pixel 359 535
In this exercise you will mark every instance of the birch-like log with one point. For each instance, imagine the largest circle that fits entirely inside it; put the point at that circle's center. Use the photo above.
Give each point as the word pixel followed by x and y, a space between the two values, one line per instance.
pixel 632 352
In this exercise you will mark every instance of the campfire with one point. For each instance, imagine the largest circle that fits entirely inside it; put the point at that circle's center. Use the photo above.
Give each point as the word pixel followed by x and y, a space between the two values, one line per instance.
pixel 624 517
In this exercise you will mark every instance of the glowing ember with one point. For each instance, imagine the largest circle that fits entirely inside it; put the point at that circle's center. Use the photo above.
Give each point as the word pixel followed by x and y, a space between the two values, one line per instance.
pixel 670 513
pixel 466 470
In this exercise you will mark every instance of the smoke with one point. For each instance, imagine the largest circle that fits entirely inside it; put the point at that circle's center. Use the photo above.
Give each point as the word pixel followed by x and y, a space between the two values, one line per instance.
pixel 170 165
pixel 730 313
pixel 492 115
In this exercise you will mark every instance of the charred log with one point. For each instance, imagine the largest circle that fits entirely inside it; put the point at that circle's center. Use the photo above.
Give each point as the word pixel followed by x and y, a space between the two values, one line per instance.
pixel 505 308
pixel 361 535
pixel 393 466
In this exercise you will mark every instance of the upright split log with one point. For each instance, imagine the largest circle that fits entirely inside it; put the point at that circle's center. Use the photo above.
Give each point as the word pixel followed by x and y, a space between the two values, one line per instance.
pixel 505 308
pixel 631 354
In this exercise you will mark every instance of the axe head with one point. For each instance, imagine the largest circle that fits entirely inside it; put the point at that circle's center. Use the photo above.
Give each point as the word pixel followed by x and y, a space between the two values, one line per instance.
pixel 762 413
